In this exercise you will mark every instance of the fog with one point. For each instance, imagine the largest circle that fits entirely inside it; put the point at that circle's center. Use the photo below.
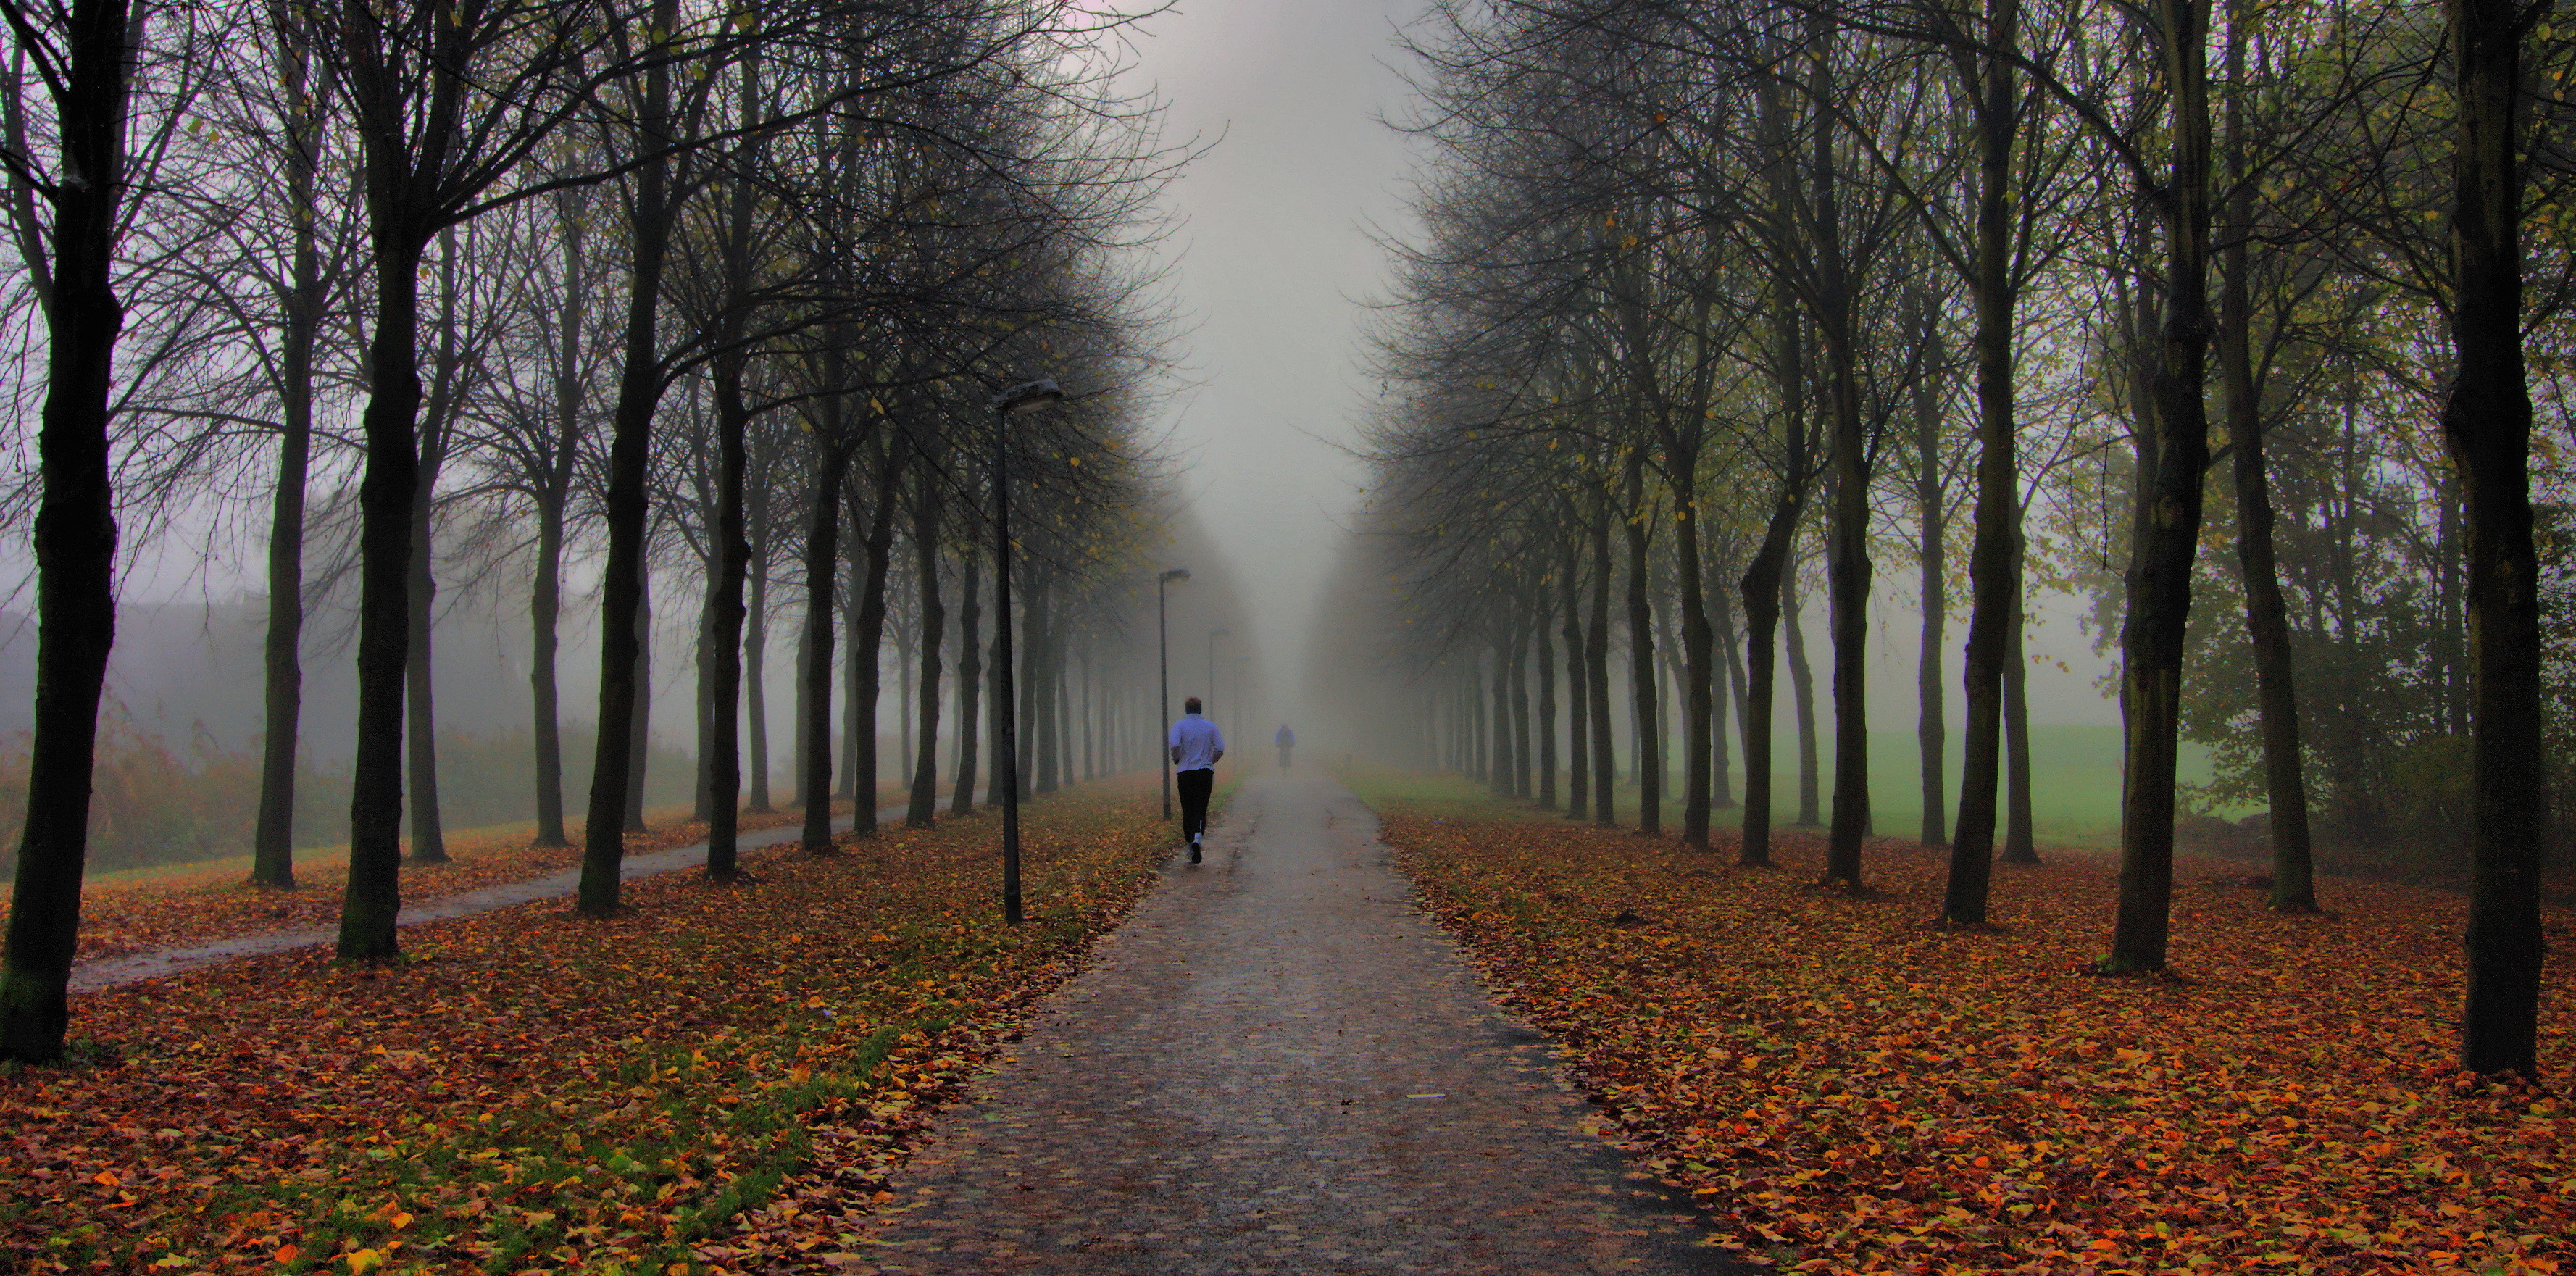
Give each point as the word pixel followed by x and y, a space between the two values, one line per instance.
pixel 1277 266
pixel 1273 266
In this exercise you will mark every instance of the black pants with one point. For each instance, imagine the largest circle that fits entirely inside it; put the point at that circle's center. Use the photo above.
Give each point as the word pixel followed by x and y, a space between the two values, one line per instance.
pixel 1195 787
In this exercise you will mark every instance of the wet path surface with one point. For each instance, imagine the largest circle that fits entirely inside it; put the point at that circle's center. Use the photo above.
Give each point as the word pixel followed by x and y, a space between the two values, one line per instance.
pixel 1276 1065
pixel 108 972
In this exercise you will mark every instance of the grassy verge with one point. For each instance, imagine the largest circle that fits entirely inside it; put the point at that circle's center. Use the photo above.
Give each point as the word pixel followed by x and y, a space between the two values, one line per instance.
pixel 2075 784
pixel 1846 1087
pixel 532 1091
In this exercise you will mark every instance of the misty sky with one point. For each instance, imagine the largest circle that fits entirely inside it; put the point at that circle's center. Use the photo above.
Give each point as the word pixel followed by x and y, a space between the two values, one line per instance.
pixel 1274 265
pixel 1276 260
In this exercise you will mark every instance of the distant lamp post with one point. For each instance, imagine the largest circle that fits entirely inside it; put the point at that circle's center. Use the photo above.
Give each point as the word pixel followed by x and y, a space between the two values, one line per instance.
pixel 1163 675
pixel 1009 403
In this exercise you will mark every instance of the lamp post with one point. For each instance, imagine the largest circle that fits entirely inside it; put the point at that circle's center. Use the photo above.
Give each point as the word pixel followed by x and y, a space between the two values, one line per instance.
pixel 1028 397
pixel 1163 675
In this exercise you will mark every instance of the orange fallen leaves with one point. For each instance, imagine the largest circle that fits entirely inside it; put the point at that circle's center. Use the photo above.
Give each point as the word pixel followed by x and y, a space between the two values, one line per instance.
pixel 179 907
pixel 1844 1086
pixel 700 1084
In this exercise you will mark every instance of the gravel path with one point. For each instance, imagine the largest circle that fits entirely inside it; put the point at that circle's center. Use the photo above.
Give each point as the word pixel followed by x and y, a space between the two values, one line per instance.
pixel 1277 1065
pixel 90 976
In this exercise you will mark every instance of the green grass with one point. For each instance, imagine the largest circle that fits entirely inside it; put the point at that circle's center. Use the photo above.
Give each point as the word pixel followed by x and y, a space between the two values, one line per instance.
pixel 2074 781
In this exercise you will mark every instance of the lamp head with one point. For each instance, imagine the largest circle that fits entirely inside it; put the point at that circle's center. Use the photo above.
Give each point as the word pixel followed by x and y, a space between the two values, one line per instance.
pixel 1177 573
pixel 1028 397
pixel 1220 633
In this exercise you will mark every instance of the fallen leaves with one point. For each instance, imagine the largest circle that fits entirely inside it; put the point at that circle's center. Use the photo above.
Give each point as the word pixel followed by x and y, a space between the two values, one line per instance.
pixel 1844 1086
pixel 182 906
pixel 713 1079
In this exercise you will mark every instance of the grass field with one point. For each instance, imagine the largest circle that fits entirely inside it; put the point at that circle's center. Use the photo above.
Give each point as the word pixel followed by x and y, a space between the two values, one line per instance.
pixel 2074 781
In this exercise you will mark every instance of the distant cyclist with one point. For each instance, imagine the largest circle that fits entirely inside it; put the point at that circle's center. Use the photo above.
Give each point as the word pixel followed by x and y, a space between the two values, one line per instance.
pixel 1286 740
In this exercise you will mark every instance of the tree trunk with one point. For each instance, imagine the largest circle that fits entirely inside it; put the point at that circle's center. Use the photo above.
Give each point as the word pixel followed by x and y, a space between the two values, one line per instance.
pixel 1802 692
pixel 2486 421
pixel 1498 768
pixel 702 701
pixel 804 714
pixel 1721 762
pixel 1766 584
pixel 1930 730
pixel 1765 580
pixel 1641 661
pixel 1596 658
pixel 2267 623
pixel 2019 848
pixel 545 610
pixel 372 900
pixel 926 513
pixel 822 569
pixel 1698 705
pixel 1060 718
pixel 1578 702
pixel 907 673
pixel 1003 760
pixel 273 843
pixel 1546 705
pixel 970 675
pixel 869 637
pixel 420 735
pixel 725 641
pixel 2172 458
pixel 1847 566
pixel 1046 751
pixel 1521 769
pixel 428 833
pixel 755 663
pixel 1848 612
pixel 1994 555
pixel 624 629
pixel 75 538
pixel 545 604
pixel 639 735
pixel 849 784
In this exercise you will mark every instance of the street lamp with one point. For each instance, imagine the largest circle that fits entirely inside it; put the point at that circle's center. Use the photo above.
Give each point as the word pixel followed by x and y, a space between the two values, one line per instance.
pixel 1009 403
pixel 1163 675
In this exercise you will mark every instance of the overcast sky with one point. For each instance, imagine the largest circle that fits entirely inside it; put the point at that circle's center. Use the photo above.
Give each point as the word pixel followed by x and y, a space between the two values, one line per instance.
pixel 1274 264
pixel 1275 261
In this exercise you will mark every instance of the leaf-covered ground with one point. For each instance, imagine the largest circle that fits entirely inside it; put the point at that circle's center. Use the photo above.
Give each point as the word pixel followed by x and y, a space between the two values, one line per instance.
pixel 711 1082
pixel 1846 1087
pixel 185 904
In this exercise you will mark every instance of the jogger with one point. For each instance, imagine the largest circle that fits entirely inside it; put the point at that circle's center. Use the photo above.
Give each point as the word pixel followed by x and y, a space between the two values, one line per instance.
pixel 1196 745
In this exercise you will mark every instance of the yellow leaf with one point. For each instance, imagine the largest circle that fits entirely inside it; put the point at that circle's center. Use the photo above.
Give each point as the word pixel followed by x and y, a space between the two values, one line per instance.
pixel 363 1259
